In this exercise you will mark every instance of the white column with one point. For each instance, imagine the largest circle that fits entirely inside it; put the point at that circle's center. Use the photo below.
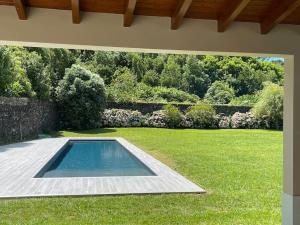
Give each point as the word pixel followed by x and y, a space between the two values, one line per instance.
pixel 291 181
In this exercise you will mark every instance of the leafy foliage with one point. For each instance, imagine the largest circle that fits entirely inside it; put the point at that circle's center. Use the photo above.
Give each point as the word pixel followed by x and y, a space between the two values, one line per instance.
pixel 173 116
pixel 38 76
pixel 171 75
pixel 269 107
pixel 122 88
pixel 81 97
pixel 7 73
pixel 163 94
pixel 151 78
pixel 191 74
pixel 202 115
pixel 245 100
pixel 198 81
pixel 219 93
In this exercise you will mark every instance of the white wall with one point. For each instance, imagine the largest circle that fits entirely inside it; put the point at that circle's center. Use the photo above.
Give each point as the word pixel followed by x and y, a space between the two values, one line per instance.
pixel 49 27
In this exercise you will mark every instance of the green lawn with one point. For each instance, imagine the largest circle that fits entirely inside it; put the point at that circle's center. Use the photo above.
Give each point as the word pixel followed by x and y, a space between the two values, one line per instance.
pixel 240 169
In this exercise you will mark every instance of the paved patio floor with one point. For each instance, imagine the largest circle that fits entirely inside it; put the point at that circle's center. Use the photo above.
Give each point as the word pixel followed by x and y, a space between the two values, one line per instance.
pixel 20 162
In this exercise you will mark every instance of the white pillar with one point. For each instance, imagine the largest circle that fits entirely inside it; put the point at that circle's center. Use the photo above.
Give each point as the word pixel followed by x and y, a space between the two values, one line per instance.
pixel 291 161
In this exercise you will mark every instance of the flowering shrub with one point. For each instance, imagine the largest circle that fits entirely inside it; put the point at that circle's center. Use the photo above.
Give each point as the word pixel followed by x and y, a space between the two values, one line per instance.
pixel 244 120
pixel 224 122
pixel 157 119
pixel 161 119
pixel 122 118
pixel 186 122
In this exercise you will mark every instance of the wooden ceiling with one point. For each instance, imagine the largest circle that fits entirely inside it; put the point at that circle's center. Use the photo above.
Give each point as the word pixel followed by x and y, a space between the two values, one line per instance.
pixel 268 13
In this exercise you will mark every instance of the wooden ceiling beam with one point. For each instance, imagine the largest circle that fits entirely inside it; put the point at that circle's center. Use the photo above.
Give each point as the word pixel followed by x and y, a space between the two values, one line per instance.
pixel 21 9
pixel 278 14
pixel 230 12
pixel 129 13
pixel 75 11
pixel 178 15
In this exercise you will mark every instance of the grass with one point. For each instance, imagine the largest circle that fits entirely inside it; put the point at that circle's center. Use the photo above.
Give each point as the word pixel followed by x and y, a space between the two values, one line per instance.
pixel 240 169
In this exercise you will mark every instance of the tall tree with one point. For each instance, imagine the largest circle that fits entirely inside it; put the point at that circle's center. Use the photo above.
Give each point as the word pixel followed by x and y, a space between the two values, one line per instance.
pixel 198 81
pixel 171 75
pixel 7 74
pixel 39 79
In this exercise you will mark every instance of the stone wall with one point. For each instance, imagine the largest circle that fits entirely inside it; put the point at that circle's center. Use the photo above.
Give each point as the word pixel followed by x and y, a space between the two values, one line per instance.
pixel 22 118
pixel 150 107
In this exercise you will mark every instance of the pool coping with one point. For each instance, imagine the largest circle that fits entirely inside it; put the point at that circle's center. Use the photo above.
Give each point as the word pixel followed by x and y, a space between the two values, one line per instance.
pixel 20 162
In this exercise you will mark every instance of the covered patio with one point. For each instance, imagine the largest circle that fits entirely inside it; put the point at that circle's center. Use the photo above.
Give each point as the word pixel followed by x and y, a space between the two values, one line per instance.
pixel 239 27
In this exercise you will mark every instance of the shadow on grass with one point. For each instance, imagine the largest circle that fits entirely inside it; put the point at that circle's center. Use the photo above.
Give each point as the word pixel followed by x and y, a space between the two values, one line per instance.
pixel 84 132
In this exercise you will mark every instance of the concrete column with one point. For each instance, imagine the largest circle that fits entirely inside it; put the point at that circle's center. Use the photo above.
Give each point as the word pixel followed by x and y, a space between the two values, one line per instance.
pixel 291 182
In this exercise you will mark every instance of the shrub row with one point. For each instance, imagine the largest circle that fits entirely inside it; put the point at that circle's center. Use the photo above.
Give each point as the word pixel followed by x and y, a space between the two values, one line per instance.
pixel 199 117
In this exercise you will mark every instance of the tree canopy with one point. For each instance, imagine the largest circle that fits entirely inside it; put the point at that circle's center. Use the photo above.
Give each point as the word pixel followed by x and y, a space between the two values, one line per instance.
pixel 36 72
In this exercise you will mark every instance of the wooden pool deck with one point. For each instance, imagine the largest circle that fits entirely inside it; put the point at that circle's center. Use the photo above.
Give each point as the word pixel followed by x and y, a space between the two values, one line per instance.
pixel 20 162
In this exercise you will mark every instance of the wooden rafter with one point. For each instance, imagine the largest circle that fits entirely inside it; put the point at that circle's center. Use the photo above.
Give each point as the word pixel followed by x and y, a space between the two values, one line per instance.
pixel 278 14
pixel 182 8
pixel 21 9
pixel 75 11
pixel 129 12
pixel 229 13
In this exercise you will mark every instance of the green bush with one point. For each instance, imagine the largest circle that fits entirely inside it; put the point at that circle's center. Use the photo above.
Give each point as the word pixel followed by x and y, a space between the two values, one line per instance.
pixel 202 115
pixel 123 86
pixel 163 94
pixel 245 100
pixel 269 107
pixel 151 78
pixel 173 116
pixel 219 93
pixel 81 98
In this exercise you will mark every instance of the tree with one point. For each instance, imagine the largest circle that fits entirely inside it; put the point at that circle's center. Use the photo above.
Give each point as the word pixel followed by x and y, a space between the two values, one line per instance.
pixel 39 78
pixel 81 98
pixel 21 86
pixel 212 67
pixel 7 73
pixel 241 76
pixel 158 64
pixel 138 66
pixel 171 75
pixel 151 78
pixel 198 81
pixel 59 60
pixel 219 93
pixel 123 86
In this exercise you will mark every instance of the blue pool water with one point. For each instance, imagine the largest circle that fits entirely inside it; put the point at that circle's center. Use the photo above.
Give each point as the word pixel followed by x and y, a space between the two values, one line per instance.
pixel 94 159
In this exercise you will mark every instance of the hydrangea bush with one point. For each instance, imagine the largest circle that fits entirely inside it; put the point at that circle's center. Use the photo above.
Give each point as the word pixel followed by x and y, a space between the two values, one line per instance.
pixel 186 122
pixel 224 122
pixel 122 118
pixel 160 119
pixel 244 120
pixel 157 119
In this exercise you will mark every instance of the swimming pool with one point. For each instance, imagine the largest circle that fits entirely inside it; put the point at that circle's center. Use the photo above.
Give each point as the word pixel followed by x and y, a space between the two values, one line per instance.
pixel 94 158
